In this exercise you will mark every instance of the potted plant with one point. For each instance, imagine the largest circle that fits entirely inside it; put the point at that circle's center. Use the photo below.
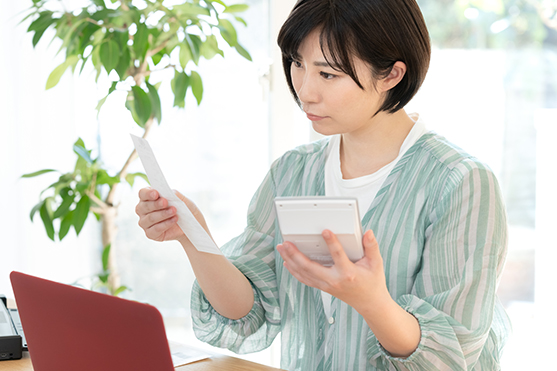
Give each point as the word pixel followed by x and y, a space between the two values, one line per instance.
pixel 126 44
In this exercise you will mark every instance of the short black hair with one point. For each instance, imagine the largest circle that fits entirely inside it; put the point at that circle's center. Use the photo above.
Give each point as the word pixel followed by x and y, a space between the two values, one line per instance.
pixel 379 32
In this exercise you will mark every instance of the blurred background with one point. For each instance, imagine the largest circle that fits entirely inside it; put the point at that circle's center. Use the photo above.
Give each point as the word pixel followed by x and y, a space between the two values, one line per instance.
pixel 491 89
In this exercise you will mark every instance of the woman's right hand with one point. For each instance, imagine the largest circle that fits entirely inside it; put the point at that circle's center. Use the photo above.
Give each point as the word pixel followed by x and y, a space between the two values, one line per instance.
pixel 156 217
pixel 159 220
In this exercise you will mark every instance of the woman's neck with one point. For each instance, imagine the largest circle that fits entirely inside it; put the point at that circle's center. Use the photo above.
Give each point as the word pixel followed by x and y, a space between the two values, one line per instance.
pixel 368 149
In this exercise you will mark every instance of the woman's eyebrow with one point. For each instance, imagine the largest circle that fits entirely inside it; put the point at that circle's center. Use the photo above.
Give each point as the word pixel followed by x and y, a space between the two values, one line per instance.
pixel 324 64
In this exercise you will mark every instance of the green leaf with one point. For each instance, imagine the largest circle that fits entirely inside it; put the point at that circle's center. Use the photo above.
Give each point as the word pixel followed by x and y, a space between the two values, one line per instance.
pixel 243 52
pixel 122 38
pixel 241 20
pixel 105 255
pixel 83 153
pixel 40 25
pixel 185 54
pixel 210 47
pixel 99 3
pixel 110 55
pixel 104 178
pixel 123 63
pixel 67 202
pixel 196 86
pixel 120 290
pixel 195 46
pixel 57 73
pixel 36 173
pixel 80 213
pixel 180 84
pixel 103 277
pixel 141 41
pixel 82 165
pixel 219 2
pixel 46 217
pixel 131 107
pixel 65 225
pixel 167 35
pixel 35 209
pixel 70 33
pixel 189 9
pixel 172 43
pixel 142 105
pixel 83 62
pixel 228 32
pixel 157 57
pixel 130 178
pixel 98 37
pixel 85 37
pixel 96 59
pixel 155 102
pixel 236 8
pixel 101 102
pixel 80 142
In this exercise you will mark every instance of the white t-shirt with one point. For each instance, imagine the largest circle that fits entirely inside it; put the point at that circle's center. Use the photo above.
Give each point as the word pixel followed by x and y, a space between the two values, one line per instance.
pixel 364 188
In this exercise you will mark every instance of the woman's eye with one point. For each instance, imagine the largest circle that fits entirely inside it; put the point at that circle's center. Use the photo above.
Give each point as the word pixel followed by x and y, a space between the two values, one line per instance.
pixel 296 63
pixel 327 76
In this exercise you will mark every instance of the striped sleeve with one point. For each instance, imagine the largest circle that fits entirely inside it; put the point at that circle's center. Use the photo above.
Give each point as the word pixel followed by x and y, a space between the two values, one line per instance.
pixel 253 254
pixel 454 294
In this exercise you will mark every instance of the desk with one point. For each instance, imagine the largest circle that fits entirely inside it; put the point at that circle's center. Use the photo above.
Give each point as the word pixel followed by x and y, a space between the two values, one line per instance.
pixel 215 363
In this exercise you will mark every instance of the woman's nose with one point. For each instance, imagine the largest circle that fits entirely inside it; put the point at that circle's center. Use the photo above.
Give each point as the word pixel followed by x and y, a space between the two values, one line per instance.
pixel 308 92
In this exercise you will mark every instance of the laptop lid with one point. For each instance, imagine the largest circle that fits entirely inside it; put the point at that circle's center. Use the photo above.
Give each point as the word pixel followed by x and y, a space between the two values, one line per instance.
pixel 68 329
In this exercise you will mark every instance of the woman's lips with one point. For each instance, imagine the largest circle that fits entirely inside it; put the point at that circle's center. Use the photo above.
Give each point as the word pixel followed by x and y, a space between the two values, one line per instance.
pixel 313 117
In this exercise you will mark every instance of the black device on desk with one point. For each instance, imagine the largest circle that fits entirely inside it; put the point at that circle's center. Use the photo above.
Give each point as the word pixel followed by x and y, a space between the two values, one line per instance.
pixel 12 340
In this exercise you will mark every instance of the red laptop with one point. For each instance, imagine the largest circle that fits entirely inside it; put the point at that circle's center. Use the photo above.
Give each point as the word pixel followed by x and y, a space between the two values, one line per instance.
pixel 72 329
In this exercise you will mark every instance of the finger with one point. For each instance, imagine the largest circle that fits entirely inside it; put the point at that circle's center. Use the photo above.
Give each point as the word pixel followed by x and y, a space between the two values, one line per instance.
pixel 146 207
pixel 371 246
pixel 148 194
pixel 292 255
pixel 189 203
pixel 300 266
pixel 335 248
pixel 148 220
pixel 157 231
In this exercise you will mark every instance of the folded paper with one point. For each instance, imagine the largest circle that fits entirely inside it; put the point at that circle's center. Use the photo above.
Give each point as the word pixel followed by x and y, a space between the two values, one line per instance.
pixel 186 221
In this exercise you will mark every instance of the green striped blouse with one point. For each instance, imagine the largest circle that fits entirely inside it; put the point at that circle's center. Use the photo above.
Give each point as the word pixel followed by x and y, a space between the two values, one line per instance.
pixel 441 227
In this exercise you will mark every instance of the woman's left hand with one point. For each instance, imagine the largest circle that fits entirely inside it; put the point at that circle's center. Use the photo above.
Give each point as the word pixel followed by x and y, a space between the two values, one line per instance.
pixel 357 284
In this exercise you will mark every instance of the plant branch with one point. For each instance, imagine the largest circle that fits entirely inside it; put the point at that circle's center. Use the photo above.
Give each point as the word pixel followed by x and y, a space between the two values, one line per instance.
pixel 162 45
pixel 103 205
pixel 97 210
pixel 106 25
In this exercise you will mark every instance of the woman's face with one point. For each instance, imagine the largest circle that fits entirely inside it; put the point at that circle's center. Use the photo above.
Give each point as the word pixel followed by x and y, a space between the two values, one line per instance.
pixel 333 102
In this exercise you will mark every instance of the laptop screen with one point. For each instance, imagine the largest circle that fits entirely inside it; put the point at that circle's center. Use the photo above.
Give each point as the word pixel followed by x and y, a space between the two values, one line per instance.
pixel 69 328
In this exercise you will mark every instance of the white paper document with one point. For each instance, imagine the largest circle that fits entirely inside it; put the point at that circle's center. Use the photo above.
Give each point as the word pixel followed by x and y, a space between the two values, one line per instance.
pixel 186 221
pixel 182 354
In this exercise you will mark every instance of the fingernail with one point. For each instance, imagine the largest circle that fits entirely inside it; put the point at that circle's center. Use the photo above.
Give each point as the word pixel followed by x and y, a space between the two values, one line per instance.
pixel 170 211
pixel 326 234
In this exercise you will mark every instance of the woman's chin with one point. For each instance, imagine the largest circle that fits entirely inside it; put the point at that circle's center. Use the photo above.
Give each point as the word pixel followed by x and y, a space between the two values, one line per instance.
pixel 326 130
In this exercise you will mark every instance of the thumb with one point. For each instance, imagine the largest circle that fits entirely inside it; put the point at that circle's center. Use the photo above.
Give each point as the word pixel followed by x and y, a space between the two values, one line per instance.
pixel 193 208
pixel 371 246
pixel 189 203
pixel 181 196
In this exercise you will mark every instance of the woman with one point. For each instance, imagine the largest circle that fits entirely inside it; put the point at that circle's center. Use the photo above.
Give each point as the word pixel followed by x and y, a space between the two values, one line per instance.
pixel 424 295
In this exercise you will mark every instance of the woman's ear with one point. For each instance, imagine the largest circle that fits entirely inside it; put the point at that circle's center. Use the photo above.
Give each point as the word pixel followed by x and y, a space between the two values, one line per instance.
pixel 394 77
